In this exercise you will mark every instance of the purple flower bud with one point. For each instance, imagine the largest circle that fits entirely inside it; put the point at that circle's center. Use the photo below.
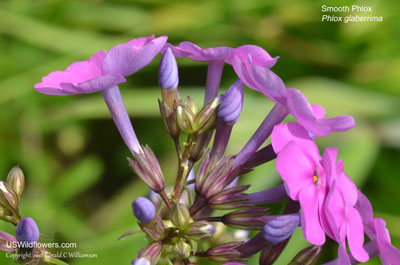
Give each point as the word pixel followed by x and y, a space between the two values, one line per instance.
pixel 232 103
pixel 281 227
pixel 141 261
pixel 143 209
pixel 225 252
pixel 168 73
pixel 148 169
pixel 27 231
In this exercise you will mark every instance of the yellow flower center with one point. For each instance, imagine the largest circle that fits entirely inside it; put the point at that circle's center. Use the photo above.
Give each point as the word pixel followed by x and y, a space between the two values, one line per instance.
pixel 315 179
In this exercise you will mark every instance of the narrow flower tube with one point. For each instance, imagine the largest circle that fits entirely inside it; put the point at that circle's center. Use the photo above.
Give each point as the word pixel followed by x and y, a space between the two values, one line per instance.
pixel 143 209
pixel 113 99
pixel 276 115
pixel 272 195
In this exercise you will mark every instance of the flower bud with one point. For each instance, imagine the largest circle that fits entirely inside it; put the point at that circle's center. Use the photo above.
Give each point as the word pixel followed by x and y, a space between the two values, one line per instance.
pixel 16 180
pixel 200 230
pixel 183 249
pixel 148 169
pixel 191 104
pixel 7 242
pixel 206 119
pixel 150 252
pixel 180 216
pixel 308 256
pixel 200 146
pixel 27 230
pixel 141 261
pixel 225 253
pixel 143 209
pixel 154 229
pixel 185 119
pixel 232 198
pixel 8 198
pixel 211 175
pixel 168 73
pixel 168 117
pixel 27 234
pixel 281 227
pixel 249 218
pixel 232 104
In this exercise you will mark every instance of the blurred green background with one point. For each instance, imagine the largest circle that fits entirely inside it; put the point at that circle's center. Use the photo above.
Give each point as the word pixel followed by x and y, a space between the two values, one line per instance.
pixel 79 188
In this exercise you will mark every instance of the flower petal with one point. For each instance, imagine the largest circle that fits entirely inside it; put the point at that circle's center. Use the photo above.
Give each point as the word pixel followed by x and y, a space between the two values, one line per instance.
pixel 364 207
pixel 355 235
pixel 340 123
pixel 259 55
pixel 388 253
pixel 319 111
pixel 295 168
pixel 126 59
pixel 301 109
pixel 310 221
pixel 329 163
pixel 284 133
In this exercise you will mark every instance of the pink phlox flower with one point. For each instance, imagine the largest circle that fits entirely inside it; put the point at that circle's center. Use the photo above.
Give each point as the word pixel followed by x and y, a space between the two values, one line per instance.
pixel 104 69
pixel 300 166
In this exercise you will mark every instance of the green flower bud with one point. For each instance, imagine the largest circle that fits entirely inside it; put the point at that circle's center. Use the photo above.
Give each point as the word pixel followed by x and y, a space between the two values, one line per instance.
pixel 183 249
pixel 191 104
pixel 8 198
pixel 16 180
pixel 200 230
pixel 206 119
pixel 180 216
pixel 168 117
pixel 185 119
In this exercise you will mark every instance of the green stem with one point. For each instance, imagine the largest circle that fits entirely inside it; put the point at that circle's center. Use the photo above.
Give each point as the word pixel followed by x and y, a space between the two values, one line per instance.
pixel 184 167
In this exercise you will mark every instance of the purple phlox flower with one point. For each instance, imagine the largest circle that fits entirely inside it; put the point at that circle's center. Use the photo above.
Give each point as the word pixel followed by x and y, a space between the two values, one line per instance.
pixel 312 117
pixel 103 72
pixel 343 221
pixel 299 164
pixel 143 209
pixel 104 69
pixel 27 231
pixel 281 227
pixel 217 56
pixel 376 230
